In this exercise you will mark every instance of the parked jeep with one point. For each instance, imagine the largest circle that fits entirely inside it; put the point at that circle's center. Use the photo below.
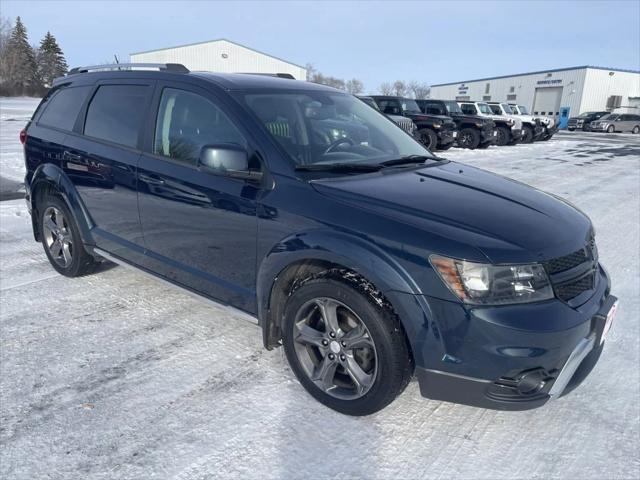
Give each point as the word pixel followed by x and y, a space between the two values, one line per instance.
pixel 532 127
pixel 508 134
pixel 434 131
pixel 473 131
pixel 582 121
pixel 403 122
pixel 368 261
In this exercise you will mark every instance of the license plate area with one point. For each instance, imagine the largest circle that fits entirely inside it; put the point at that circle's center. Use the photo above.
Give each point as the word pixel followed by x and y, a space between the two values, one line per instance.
pixel 603 320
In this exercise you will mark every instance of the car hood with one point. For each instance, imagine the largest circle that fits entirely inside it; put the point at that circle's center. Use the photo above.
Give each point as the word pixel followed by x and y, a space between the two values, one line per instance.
pixel 509 222
pixel 469 118
pixel 422 116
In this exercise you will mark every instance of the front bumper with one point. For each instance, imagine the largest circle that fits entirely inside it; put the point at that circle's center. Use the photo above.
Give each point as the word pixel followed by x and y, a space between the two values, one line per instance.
pixel 447 136
pixel 513 357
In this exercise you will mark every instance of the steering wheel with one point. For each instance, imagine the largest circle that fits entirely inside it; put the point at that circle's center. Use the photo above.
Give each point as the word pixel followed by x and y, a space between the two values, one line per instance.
pixel 337 143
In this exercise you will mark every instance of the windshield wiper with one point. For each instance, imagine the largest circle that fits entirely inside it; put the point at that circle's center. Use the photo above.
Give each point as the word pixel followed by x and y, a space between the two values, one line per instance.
pixel 408 160
pixel 339 167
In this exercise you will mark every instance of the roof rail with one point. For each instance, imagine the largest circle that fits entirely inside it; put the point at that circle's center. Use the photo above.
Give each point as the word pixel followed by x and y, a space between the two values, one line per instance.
pixel 170 67
pixel 279 75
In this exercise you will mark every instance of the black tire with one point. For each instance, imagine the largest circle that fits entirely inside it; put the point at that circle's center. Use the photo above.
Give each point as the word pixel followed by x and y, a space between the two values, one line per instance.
pixel 611 129
pixel 571 129
pixel 428 138
pixel 636 129
pixel 446 147
pixel 527 134
pixel 503 137
pixel 72 260
pixel 393 366
pixel 484 146
pixel 469 138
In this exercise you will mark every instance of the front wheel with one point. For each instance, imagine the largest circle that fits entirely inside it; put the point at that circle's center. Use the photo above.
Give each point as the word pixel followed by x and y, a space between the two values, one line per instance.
pixel 346 351
pixel 571 129
pixel 611 129
pixel 469 138
pixel 527 134
pixel 503 136
pixel 61 239
pixel 636 129
pixel 428 138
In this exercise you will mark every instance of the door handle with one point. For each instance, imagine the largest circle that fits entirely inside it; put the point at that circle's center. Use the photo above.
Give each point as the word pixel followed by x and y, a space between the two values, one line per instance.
pixel 72 156
pixel 150 180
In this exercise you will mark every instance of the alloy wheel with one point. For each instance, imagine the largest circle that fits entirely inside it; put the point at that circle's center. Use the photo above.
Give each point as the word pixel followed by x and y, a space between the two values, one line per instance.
pixel 57 235
pixel 334 348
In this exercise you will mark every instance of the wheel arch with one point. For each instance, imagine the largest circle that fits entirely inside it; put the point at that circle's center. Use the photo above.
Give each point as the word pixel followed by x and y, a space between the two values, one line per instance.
pixel 51 179
pixel 289 262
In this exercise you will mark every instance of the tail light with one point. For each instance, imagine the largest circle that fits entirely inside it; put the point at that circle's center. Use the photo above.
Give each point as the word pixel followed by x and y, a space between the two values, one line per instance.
pixel 23 136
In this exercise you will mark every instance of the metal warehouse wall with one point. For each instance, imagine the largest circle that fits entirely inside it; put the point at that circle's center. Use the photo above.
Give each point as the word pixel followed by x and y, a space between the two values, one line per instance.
pixel 220 56
pixel 600 85
pixel 524 88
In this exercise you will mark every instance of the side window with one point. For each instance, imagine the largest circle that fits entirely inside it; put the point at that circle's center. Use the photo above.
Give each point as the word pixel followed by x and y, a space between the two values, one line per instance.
pixel 63 107
pixel 116 112
pixel 435 109
pixel 186 122
pixel 468 109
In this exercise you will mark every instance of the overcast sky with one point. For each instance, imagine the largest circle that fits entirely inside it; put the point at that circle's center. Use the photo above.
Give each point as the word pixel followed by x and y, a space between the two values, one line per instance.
pixel 433 42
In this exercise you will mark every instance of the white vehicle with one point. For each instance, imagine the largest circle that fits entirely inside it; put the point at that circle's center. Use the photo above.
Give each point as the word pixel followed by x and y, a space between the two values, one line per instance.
pixel 544 127
pixel 509 129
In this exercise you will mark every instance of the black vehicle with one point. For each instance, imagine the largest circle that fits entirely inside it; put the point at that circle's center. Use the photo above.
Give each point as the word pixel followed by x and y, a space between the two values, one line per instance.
pixel 473 131
pixel 403 122
pixel 582 121
pixel 434 131
pixel 368 259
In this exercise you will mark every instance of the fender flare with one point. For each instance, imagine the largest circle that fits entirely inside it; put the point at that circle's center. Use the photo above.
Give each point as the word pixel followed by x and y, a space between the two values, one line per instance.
pixel 52 176
pixel 348 251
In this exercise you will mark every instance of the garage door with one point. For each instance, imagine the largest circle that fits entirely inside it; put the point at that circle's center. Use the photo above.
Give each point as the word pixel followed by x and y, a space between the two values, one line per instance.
pixel 547 101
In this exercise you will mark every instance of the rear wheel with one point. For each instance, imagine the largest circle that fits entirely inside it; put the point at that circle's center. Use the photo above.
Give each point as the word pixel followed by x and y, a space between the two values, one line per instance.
pixel 636 129
pixel 61 239
pixel 611 129
pixel 428 138
pixel 527 134
pixel 346 351
pixel 503 136
pixel 469 138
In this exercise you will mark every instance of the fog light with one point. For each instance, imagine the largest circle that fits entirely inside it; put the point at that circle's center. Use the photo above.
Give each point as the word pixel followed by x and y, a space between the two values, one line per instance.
pixel 531 382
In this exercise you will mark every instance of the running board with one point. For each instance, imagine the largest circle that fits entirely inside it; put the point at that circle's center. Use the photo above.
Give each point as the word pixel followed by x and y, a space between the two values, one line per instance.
pixel 230 310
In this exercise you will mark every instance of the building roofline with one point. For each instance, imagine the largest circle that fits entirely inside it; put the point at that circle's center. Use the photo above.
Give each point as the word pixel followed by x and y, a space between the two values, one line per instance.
pixel 583 67
pixel 218 40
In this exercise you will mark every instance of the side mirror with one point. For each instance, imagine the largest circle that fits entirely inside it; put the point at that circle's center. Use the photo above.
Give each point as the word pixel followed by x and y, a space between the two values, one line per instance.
pixel 229 160
pixel 389 110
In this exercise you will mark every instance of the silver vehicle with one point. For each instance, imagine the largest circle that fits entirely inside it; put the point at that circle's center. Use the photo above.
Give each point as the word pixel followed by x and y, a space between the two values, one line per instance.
pixel 509 128
pixel 617 122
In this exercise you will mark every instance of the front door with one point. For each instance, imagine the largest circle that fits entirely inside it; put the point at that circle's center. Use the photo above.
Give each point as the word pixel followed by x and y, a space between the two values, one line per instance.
pixel 199 228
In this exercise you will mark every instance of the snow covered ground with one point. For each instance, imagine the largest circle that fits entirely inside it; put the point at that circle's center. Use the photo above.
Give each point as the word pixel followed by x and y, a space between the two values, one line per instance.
pixel 117 376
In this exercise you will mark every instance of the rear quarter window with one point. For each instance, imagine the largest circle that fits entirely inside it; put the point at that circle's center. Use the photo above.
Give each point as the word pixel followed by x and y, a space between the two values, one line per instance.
pixel 62 109
pixel 116 112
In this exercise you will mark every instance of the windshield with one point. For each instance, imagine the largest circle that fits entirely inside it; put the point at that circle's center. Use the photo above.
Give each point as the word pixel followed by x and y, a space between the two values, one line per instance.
pixel 452 107
pixel 507 109
pixel 523 110
pixel 410 106
pixel 610 116
pixel 328 128
pixel 484 108
pixel 369 101
pixel 495 109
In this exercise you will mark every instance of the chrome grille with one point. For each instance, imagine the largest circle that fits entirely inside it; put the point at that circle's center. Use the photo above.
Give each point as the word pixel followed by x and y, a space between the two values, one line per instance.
pixel 407 125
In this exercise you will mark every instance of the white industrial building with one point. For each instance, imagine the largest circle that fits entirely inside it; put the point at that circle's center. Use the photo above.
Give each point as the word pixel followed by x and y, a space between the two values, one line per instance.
pixel 568 90
pixel 222 56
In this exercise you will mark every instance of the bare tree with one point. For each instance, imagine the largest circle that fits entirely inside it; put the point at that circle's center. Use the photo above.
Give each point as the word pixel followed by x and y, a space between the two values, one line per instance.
pixel 5 33
pixel 385 88
pixel 313 75
pixel 400 88
pixel 418 89
pixel 355 86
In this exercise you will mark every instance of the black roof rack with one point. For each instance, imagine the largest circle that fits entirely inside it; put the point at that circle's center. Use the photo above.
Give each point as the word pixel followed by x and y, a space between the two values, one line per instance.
pixel 279 75
pixel 170 67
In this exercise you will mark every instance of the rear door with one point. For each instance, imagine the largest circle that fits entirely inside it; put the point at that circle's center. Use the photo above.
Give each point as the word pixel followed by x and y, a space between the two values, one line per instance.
pixel 199 228
pixel 101 158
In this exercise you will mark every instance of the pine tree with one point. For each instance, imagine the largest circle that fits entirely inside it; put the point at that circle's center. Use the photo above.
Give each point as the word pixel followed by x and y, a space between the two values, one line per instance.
pixel 19 69
pixel 50 59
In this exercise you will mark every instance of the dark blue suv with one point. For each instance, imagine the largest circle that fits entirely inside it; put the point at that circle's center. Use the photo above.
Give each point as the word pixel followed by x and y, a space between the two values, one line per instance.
pixel 368 258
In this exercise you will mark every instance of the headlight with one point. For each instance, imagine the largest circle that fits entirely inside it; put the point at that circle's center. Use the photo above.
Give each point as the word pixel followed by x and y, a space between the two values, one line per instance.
pixel 437 125
pixel 479 124
pixel 510 122
pixel 486 284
